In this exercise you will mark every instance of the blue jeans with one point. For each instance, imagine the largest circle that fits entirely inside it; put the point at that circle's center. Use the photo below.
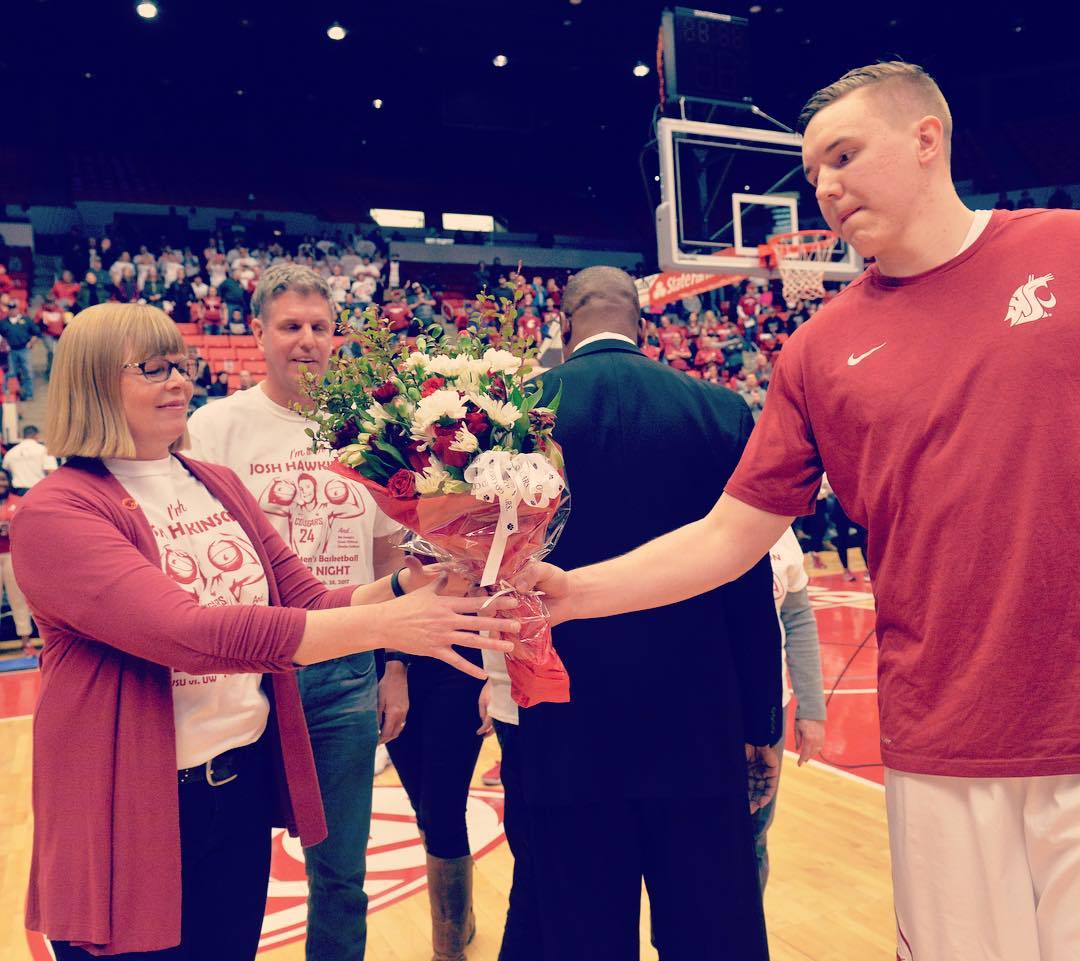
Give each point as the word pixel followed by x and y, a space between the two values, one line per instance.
pixel 763 818
pixel 19 366
pixel 341 706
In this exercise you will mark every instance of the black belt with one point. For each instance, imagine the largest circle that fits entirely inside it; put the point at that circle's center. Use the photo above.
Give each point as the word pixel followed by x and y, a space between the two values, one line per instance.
pixel 218 770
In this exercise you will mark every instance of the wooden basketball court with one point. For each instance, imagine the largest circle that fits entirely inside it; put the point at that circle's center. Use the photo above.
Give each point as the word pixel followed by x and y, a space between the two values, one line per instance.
pixel 828 898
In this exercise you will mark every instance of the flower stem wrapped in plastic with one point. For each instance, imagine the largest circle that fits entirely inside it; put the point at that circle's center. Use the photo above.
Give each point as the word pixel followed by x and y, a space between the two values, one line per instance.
pixel 452 444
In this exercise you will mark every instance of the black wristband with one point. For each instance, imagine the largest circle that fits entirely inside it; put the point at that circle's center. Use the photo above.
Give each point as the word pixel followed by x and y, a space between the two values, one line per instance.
pixel 399 656
pixel 395 583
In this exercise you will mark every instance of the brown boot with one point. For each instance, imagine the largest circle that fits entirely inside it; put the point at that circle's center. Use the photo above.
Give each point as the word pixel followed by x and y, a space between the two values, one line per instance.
pixel 453 924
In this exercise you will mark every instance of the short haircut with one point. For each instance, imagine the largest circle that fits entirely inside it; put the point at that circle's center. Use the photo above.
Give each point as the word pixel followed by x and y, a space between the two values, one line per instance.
pixel 85 412
pixel 297 278
pixel 29 431
pixel 904 81
pixel 607 284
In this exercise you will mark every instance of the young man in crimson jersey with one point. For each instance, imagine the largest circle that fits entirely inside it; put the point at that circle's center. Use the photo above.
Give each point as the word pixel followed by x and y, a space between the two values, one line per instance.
pixel 933 452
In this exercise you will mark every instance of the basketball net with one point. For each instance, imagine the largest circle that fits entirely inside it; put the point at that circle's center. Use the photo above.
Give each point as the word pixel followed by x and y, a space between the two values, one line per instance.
pixel 801 259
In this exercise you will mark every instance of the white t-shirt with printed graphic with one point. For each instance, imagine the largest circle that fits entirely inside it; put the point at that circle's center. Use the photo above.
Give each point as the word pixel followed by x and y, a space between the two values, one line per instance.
pixel 328 520
pixel 789 577
pixel 208 554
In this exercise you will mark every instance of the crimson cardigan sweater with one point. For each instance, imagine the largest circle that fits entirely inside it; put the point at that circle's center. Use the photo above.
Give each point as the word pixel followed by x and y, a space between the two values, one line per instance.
pixel 105 868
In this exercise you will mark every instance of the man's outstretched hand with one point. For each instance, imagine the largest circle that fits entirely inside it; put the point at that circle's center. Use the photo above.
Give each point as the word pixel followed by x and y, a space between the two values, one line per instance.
pixel 551 581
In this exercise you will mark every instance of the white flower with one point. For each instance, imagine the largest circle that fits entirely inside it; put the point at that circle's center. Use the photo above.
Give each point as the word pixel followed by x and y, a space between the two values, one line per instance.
pixel 451 486
pixel 434 407
pixel 351 456
pixel 379 414
pixel 417 361
pixel 501 361
pixel 431 478
pixel 468 378
pixel 465 441
pixel 499 412
pixel 448 366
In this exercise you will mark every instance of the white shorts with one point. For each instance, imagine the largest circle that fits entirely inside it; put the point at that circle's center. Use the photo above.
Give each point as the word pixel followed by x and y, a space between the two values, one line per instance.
pixel 985 869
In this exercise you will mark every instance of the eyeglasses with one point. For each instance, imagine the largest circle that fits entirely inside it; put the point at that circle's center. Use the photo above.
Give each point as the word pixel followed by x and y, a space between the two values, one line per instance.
pixel 159 370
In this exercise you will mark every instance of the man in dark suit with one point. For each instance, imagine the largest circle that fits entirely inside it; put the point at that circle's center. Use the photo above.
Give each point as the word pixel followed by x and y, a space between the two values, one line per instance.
pixel 644 772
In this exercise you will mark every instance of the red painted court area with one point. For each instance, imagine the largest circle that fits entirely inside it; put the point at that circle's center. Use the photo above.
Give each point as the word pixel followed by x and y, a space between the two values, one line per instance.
pixel 845 617
pixel 18 692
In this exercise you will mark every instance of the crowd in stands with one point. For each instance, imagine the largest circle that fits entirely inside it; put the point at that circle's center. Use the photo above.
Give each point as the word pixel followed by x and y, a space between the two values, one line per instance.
pixel 732 341
pixel 728 336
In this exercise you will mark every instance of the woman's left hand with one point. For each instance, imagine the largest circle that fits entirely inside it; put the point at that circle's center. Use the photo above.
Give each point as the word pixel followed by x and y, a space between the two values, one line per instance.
pixel 393 701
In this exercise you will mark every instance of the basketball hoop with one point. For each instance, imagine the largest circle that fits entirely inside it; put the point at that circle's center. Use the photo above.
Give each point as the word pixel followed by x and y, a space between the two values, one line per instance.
pixel 801 259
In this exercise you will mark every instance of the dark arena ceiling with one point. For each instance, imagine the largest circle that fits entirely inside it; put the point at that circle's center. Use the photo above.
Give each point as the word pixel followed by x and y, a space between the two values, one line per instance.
pixel 253 100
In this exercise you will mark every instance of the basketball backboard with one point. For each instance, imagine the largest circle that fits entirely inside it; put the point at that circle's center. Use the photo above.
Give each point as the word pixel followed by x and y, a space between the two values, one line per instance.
pixel 725 190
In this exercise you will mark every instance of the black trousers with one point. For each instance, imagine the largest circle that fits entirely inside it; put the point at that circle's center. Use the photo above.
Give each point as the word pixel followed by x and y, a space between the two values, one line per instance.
pixel 695 854
pixel 844 538
pixel 815 524
pixel 523 934
pixel 436 753
pixel 225 864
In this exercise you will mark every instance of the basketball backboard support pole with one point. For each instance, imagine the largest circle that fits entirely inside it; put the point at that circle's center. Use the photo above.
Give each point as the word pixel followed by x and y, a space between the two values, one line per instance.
pixel 691 236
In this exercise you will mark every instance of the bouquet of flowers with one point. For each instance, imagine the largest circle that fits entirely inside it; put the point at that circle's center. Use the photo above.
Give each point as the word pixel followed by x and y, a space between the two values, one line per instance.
pixel 452 444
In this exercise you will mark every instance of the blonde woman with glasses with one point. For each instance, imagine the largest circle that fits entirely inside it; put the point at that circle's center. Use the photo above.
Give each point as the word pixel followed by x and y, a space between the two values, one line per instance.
pixel 169 736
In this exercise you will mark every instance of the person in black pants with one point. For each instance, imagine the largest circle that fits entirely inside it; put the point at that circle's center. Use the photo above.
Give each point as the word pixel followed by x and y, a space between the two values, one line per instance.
pixel 603 809
pixel 435 756
pixel 814 527
pixel 845 539
pixel 523 936
pixel 224 833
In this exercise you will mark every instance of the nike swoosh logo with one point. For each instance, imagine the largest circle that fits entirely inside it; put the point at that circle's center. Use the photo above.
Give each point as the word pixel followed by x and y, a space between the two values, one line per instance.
pixel 853 360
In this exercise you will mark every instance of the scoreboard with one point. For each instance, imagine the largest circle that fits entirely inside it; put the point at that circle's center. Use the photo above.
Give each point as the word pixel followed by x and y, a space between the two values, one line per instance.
pixel 706 55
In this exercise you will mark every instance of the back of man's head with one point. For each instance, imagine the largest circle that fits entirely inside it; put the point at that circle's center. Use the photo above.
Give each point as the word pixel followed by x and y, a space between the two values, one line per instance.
pixel 600 299
pixel 30 431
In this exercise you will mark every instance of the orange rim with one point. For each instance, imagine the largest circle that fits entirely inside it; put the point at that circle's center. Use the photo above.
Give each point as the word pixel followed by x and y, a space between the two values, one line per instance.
pixel 800 243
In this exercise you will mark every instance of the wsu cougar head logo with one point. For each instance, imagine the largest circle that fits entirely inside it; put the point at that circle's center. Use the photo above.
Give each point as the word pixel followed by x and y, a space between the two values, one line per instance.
pixel 1026 305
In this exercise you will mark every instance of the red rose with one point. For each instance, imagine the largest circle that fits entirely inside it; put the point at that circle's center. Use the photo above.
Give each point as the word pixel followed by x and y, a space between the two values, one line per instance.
pixel 402 484
pixel 477 422
pixel 385 392
pixel 431 385
pixel 444 437
pixel 346 434
pixel 418 459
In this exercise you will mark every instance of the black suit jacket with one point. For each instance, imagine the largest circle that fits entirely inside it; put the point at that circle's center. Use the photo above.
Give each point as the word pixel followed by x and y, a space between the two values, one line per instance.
pixel 662 701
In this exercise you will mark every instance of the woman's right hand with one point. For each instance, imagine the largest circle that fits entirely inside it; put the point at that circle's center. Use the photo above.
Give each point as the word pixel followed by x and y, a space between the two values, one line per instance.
pixel 425 623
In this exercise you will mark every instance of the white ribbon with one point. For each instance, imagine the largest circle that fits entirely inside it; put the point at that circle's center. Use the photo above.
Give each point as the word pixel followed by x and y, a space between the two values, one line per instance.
pixel 511 479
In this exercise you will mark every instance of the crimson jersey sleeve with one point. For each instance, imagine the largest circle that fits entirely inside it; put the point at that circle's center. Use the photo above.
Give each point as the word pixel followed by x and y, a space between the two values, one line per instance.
pixel 780 470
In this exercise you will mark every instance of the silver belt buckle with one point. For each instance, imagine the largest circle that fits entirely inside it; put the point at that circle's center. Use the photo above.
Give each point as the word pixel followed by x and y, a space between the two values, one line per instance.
pixel 210 775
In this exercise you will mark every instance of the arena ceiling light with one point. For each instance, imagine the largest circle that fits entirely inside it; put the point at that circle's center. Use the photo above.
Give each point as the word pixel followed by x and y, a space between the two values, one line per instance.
pixel 500 60
pixel 389 217
pixel 483 223
pixel 641 69
pixel 336 31
pixel 147 9
pixel 377 103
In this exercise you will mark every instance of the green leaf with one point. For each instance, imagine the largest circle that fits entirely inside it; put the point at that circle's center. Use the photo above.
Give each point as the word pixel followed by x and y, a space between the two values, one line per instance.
pixel 531 400
pixel 557 399
pixel 393 452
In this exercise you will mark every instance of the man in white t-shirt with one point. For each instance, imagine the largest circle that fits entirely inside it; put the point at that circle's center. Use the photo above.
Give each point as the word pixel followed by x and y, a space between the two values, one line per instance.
pixel 28 461
pixel 334 526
